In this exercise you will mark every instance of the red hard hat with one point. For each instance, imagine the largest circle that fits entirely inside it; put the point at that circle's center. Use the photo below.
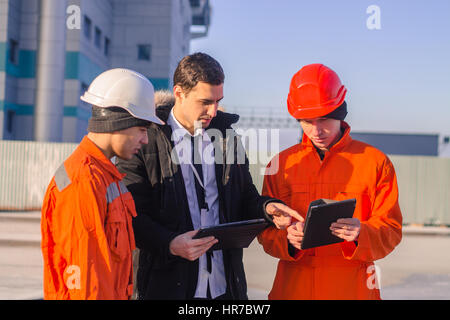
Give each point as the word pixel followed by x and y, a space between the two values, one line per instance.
pixel 315 91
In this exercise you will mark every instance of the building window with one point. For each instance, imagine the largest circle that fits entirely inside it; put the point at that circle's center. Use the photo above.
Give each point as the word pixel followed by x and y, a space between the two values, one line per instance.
pixel 13 51
pixel 195 3
pixel 106 48
pixel 84 88
pixel 98 37
pixel 10 120
pixel 144 52
pixel 87 27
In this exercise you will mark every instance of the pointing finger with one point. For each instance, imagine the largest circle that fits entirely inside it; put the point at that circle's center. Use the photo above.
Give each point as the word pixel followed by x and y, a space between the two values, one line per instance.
pixel 286 210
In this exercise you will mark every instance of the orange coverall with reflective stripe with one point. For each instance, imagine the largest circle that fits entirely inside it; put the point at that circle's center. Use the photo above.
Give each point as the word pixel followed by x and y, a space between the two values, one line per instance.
pixel 87 236
pixel 350 169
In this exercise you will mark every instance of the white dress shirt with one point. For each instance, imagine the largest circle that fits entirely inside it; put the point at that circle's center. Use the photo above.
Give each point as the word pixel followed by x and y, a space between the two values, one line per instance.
pixel 182 147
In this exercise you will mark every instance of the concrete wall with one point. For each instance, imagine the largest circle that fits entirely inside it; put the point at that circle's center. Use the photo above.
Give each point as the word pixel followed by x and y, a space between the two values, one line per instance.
pixel 179 35
pixel 84 61
pixel 163 24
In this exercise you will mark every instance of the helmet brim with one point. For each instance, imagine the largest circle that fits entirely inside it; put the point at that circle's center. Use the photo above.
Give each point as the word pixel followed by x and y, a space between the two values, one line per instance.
pixel 136 112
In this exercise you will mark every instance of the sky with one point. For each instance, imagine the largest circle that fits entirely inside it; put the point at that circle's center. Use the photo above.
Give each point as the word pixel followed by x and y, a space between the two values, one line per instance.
pixel 397 77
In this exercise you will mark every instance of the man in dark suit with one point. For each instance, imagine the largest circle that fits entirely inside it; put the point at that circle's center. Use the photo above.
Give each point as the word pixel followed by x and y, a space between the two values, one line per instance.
pixel 178 189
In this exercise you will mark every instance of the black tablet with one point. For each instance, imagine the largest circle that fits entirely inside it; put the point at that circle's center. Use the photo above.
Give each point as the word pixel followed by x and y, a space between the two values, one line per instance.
pixel 321 214
pixel 233 235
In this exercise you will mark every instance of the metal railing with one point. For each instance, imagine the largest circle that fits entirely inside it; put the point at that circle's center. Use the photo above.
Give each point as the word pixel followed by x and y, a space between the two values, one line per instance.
pixel 263 117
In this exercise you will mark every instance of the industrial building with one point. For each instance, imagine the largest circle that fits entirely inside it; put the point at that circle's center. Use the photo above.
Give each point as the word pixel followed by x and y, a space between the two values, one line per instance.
pixel 51 50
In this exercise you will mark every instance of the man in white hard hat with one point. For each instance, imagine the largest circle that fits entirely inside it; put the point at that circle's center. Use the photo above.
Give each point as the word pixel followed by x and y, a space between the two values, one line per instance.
pixel 87 237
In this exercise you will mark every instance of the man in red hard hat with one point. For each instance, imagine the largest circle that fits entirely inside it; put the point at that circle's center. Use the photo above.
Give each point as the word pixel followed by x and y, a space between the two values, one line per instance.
pixel 329 164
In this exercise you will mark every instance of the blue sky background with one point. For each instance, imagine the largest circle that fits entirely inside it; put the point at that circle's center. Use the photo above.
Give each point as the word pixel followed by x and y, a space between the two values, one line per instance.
pixel 398 78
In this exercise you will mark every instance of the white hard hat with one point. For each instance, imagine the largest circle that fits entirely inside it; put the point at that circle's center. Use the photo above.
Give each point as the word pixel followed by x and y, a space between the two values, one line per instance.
pixel 123 88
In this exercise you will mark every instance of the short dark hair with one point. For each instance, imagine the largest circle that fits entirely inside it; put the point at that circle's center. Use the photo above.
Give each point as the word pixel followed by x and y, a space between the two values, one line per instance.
pixel 195 68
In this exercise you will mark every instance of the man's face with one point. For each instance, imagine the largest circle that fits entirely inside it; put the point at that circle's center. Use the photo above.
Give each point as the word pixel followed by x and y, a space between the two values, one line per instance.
pixel 126 143
pixel 323 132
pixel 200 104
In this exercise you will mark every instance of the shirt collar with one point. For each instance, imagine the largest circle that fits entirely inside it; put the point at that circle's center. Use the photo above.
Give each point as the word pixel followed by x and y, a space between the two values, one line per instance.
pixel 91 148
pixel 179 132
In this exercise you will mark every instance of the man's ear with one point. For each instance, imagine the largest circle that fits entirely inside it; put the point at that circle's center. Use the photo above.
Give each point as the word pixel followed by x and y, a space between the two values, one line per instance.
pixel 178 93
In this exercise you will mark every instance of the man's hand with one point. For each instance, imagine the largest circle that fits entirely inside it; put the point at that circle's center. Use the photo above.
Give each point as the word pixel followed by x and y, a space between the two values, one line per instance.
pixel 346 228
pixel 188 248
pixel 295 234
pixel 282 215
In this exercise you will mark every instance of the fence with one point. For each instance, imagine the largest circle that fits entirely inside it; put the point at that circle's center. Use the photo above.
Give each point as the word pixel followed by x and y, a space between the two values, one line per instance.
pixel 424 188
pixel 27 167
